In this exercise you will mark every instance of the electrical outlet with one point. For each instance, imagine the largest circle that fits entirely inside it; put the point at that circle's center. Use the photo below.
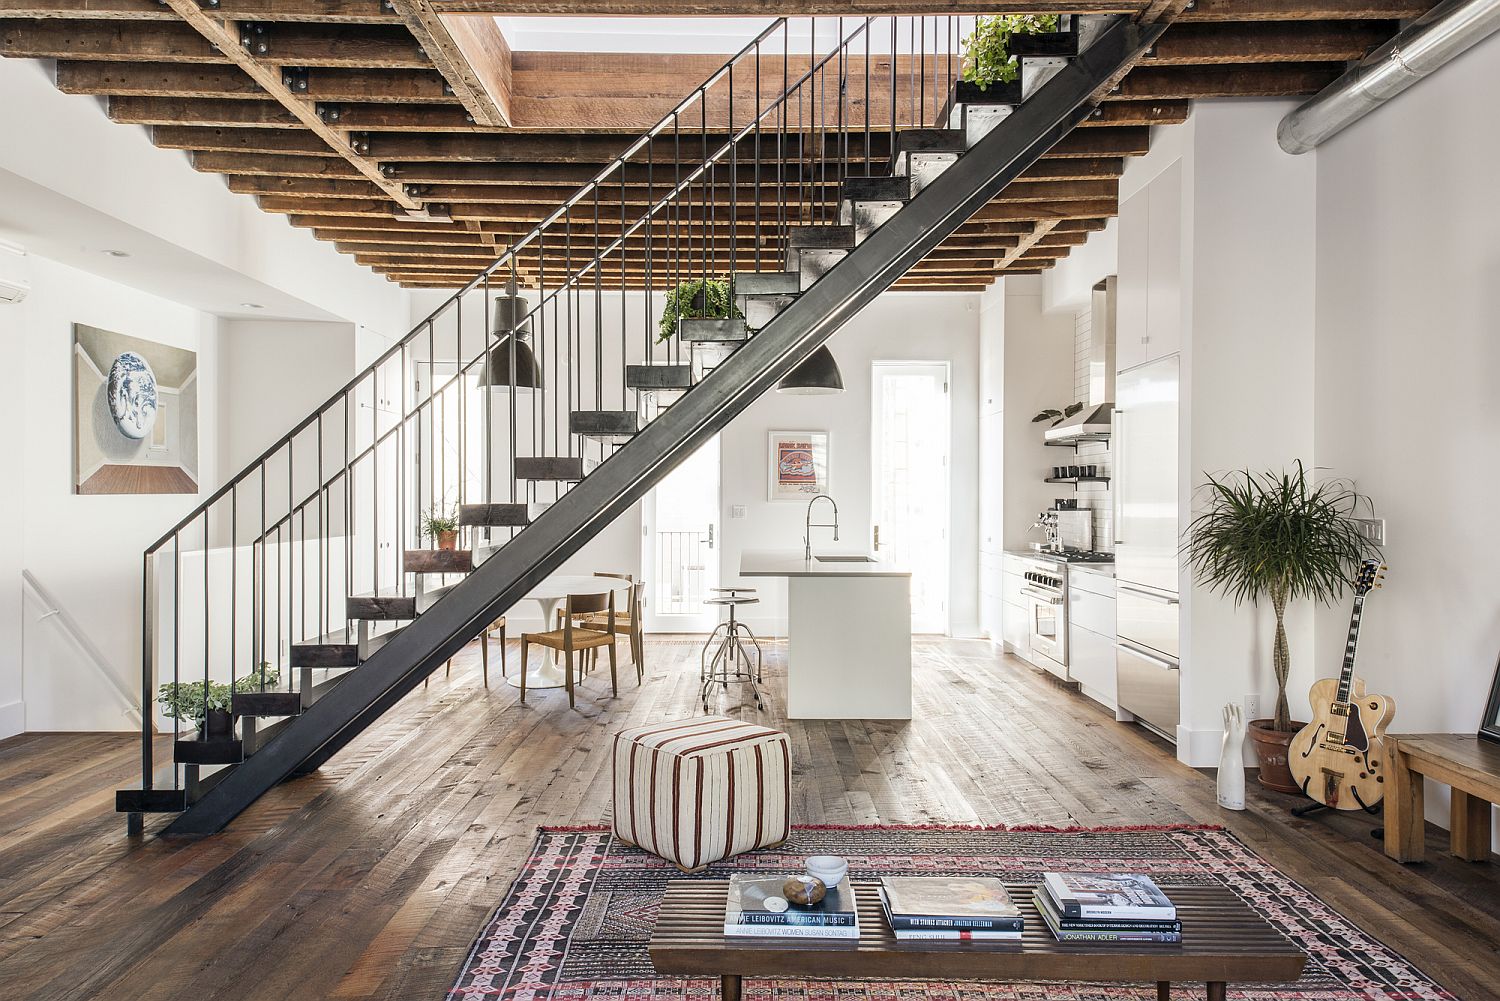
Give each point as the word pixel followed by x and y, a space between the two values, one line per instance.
pixel 1372 529
pixel 736 510
pixel 1252 707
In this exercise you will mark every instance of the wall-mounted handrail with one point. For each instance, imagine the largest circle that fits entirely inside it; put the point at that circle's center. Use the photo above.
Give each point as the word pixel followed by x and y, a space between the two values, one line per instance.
pixel 92 654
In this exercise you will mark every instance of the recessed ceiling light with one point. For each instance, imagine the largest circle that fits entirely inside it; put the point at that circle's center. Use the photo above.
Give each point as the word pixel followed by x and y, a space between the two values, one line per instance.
pixel 252 305
pixel 116 253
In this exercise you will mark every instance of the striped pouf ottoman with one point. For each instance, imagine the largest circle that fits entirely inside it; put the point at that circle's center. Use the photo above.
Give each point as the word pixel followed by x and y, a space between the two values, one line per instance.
pixel 700 790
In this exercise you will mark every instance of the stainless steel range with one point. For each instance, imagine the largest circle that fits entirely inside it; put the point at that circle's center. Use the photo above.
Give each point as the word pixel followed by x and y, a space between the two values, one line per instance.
pixel 1046 601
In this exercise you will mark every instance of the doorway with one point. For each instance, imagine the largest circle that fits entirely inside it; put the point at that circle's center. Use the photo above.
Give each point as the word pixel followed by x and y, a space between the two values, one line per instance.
pixel 679 551
pixel 910 485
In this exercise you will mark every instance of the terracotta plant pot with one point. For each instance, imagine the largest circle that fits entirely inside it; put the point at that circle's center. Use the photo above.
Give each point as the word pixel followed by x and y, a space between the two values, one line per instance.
pixel 447 540
pixel 1271 747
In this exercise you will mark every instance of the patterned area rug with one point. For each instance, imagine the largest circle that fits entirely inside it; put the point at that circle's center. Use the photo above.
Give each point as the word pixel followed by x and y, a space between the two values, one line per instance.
pixel 576 923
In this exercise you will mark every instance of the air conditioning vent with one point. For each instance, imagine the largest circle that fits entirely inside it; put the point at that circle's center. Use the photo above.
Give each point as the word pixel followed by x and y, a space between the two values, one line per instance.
pixel 14 274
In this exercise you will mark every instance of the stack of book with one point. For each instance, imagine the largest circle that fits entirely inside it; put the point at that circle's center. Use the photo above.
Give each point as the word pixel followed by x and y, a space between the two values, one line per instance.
pixel 952 909
pixel 757 907
pixel 1106 907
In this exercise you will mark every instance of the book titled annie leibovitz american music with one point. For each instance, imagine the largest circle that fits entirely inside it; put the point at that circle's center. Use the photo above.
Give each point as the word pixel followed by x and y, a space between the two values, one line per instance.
pixel 756 906
pixel 1097 895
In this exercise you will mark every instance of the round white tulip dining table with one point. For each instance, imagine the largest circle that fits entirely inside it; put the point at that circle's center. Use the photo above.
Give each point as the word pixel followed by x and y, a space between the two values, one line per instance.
pixel 548 594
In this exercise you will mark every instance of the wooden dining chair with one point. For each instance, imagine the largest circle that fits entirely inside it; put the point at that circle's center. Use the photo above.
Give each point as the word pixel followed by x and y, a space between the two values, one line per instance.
pixel 484 648
pixel 572 638
pixel 626 623
pixel 597 620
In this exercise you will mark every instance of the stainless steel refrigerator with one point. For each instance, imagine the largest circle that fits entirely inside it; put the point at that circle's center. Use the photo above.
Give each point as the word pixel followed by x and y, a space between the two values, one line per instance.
pixel 1147 534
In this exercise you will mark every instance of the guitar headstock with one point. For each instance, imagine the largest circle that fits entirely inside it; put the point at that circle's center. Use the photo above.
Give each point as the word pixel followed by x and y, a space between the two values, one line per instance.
pixel 1371 573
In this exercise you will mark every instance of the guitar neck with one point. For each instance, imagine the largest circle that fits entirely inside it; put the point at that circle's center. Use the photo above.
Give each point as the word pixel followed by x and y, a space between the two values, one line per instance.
pixel 1346 675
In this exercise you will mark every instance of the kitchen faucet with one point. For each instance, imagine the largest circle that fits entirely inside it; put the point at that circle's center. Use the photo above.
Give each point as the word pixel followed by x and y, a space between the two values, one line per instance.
pixel 807 530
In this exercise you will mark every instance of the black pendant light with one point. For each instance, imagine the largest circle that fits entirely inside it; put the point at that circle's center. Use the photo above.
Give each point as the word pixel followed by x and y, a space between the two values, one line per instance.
pixel 511 363
pixel 818 375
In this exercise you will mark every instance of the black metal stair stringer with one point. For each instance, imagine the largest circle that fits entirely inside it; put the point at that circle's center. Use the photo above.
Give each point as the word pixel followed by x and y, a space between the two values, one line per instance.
pixel 560 531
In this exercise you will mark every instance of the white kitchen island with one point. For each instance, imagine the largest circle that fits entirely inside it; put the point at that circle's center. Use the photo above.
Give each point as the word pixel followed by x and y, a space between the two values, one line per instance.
pixel 848 633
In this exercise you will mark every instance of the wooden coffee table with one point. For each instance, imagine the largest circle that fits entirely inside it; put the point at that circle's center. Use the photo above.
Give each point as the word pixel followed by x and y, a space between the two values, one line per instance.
pixel 1223 941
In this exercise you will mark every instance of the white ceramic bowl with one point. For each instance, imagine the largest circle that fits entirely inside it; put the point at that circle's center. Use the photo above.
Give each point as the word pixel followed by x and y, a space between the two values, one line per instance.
pixel 829 868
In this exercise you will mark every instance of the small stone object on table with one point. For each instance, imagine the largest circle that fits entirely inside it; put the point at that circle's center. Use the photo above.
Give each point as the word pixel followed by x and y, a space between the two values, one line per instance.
pixel 804 890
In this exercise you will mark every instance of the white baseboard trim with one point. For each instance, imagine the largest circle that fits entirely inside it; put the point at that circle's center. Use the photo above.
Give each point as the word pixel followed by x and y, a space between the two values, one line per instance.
pixel 12 719
pixel 1203 748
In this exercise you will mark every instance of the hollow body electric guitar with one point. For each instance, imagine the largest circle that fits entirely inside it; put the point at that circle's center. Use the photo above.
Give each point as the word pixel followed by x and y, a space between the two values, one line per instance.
pixel 1339 758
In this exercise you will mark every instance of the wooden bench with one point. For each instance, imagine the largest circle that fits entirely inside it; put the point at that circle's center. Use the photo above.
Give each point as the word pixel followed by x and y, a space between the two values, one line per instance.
pixel 1223 941
pixel 1470 765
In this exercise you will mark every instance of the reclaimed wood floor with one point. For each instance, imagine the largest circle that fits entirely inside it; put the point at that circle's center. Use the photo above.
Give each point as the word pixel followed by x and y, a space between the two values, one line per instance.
pixel 370 878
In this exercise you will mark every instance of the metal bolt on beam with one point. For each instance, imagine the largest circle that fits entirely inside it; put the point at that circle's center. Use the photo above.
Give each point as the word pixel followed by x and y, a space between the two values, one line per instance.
pixel 360 143
pixel 389 169
pixel 295 78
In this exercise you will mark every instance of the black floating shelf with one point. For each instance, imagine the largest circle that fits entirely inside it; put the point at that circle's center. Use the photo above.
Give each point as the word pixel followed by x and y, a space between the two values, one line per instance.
pixel 1078 479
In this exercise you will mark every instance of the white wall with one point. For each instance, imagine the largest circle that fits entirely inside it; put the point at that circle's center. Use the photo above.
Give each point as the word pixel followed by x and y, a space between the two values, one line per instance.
pixel 897 326
pixel 1406 357
pixel 1038 376
pixel 221 247
pixel 1247 359
pixel 85 550
pixel 273 373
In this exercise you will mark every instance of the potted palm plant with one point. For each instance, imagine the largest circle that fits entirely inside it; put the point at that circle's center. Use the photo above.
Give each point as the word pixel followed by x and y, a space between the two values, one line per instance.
pixel 1277 537
pixel 441 527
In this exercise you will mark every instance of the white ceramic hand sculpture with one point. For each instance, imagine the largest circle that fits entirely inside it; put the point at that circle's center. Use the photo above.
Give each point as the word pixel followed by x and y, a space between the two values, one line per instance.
pixel 1232 762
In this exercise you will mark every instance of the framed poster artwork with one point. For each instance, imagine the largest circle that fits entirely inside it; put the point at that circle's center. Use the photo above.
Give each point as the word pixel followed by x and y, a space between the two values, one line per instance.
pixel 1489 727
pixel 798 466
pixel 135 415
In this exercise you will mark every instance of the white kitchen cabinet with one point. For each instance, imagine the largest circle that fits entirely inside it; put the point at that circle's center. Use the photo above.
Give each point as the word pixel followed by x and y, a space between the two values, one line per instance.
pixel 1134 281
pixel 1014 628
pixel 1149 293
pixel 1164 264
pixel 1091 635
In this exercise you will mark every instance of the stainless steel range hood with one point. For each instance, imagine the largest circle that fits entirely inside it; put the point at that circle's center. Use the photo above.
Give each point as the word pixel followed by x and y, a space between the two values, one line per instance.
pixel 1095 421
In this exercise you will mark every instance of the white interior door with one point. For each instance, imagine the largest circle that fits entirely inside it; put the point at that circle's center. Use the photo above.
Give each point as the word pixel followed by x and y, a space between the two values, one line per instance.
pixel 910 487
pixel 680 551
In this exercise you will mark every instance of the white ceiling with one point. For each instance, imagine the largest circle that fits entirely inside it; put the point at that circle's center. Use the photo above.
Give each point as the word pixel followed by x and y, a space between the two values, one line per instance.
pixel 52 225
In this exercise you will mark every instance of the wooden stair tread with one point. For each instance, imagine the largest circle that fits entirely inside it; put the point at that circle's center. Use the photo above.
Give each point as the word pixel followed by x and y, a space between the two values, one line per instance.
pixel 381 607
pixel 776 283
pixel 437 561
pixel 701 329
pixel 494 515
pixel 266 703
pixel 658 377
pixel 323 655
pixel 208 752
pixel 552 467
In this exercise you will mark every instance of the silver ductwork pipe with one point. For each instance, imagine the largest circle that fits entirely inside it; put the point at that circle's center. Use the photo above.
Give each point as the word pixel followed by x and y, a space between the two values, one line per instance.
pixel 1420 49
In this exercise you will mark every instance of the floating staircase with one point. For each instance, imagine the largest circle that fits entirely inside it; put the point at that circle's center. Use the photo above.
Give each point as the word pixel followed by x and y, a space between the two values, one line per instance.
pixel 308 561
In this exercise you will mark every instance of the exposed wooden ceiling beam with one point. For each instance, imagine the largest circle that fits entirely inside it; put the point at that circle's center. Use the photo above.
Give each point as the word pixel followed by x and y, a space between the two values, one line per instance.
pixel 1267 42
pixel 473 57
pixel 227 39
pixel 1302 10
pixel 106 40
pixel 324 11
pixel 1247 80
pixel 772 8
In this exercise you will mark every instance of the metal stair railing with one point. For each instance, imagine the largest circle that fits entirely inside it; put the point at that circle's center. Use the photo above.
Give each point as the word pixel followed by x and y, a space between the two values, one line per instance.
pixel 327 512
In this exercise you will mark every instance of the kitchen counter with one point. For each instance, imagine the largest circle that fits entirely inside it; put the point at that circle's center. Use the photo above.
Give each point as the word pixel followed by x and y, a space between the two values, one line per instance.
pixel 848 647
pixel 791 563
pixel 1101 569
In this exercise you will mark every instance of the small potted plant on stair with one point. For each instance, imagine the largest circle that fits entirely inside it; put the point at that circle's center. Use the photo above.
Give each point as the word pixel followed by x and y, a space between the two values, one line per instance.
pixel 208 706
pixel 696 299
pixel 991 71
pixel 441 527
pixel 1276 537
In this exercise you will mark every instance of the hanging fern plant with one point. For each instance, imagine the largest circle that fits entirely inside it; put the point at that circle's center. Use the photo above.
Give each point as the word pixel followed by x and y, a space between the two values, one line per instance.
pixel 987 58
pixel 696 299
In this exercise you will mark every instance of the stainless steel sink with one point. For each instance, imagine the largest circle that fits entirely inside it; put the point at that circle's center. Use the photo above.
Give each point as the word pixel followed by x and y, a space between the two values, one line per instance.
pixel 846 559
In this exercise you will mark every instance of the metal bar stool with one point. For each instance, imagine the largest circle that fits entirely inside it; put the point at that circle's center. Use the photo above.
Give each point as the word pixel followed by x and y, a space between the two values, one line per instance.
pixel 735 592
pixel 729 661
